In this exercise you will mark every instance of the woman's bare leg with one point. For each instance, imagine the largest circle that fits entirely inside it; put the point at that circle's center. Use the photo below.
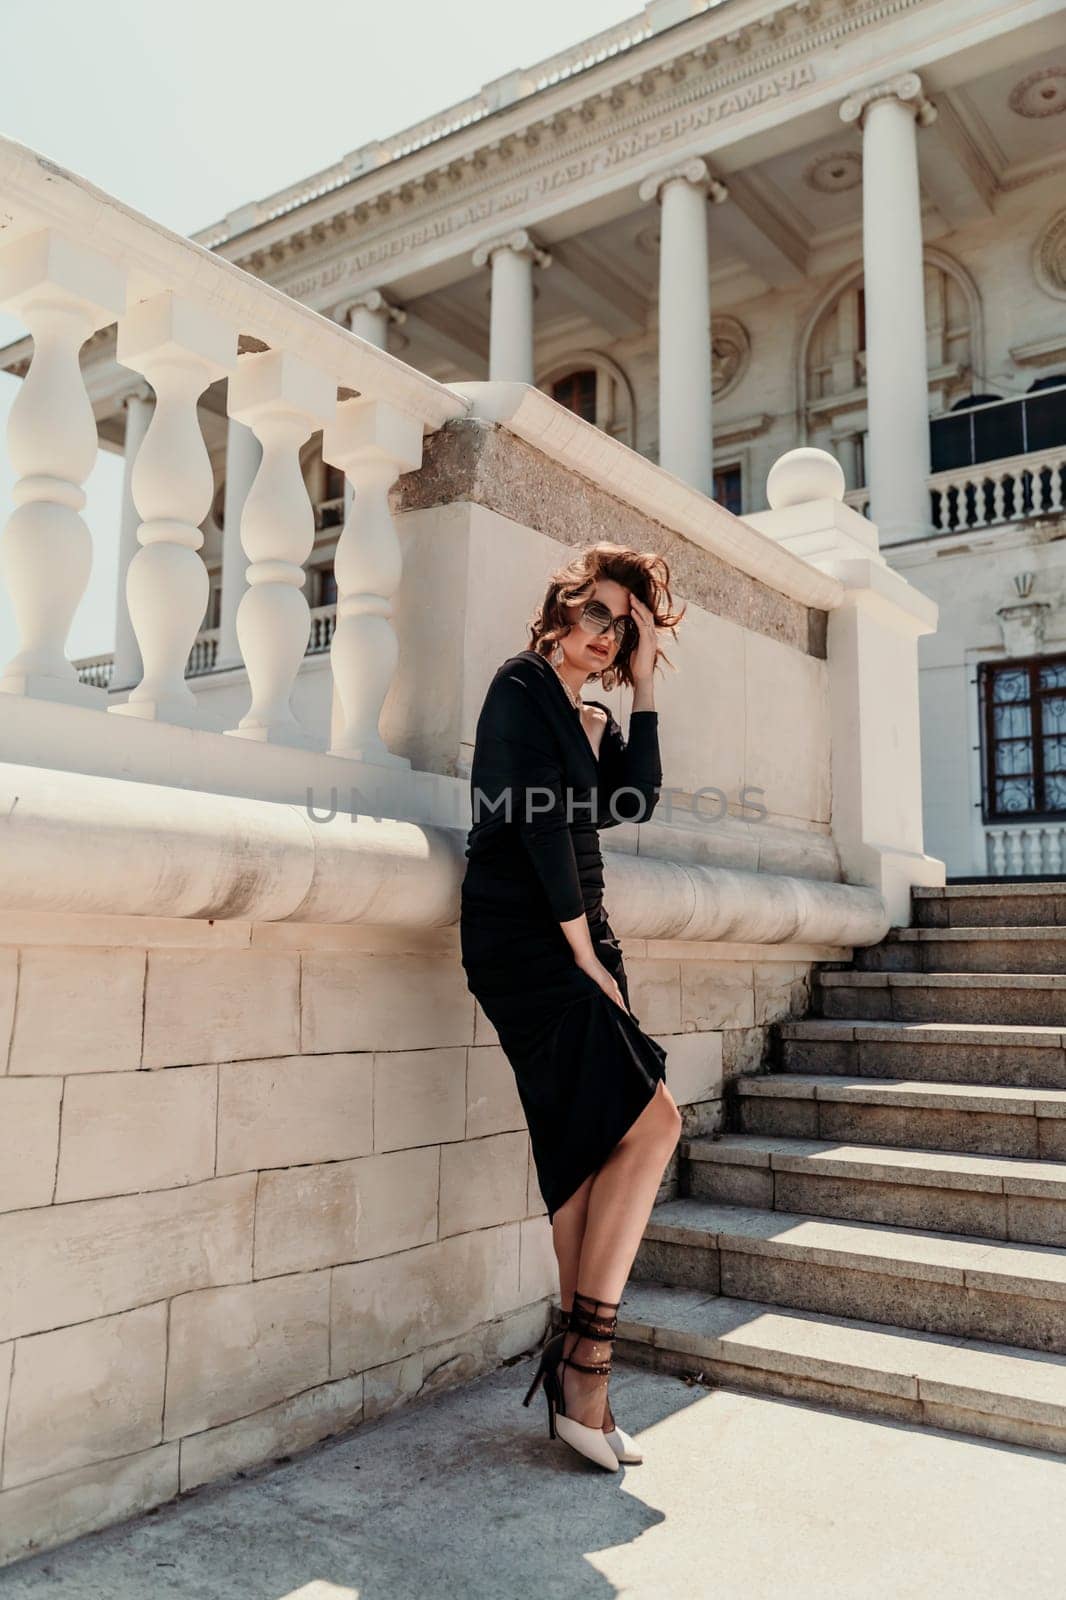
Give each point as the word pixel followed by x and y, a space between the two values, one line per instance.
pixel 621 1195
pixel 568 1231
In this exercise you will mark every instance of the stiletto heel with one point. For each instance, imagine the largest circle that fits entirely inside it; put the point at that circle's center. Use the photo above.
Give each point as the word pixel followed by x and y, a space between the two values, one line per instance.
pixel 598 1330
pixel 548 1357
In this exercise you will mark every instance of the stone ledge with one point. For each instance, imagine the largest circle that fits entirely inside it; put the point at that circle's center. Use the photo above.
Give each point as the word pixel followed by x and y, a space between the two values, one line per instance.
pixel 478 461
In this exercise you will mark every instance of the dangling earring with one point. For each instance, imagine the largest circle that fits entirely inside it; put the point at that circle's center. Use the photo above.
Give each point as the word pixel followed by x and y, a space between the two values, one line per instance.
pixel 557 656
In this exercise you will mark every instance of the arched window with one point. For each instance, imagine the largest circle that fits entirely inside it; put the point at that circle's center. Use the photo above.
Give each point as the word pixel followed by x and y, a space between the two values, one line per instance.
pixel 832 368
pixel 596 388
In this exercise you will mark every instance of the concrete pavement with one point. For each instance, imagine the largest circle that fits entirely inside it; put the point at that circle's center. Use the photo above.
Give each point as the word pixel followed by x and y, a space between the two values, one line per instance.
pixel 740 1497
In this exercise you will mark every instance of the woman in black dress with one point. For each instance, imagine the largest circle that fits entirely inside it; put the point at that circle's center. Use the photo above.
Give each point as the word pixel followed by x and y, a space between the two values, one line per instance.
pixel 549 770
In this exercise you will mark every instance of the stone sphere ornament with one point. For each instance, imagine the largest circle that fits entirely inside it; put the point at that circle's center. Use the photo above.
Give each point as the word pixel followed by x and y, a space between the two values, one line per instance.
pixel 802 475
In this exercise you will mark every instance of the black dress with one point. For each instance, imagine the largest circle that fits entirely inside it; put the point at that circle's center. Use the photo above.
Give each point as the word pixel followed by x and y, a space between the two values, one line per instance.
pixel 584 1068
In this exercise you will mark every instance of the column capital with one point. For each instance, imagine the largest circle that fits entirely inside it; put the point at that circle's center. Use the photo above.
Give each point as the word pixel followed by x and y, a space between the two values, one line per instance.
pixel 372 300
pixel 695 173
pixel 520 242
pixel 906 88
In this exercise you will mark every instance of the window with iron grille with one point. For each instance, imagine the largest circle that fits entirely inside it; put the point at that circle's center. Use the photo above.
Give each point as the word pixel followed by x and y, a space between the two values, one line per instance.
pixel 1023 733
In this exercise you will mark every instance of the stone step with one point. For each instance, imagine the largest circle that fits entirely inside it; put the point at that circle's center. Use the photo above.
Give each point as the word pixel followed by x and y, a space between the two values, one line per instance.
pixel 933 1052
pixel 909 1277
pixel 994 1391
pixel 993 949
pixel 1024 998
pixel 985 1197
pixel 959 905
pixel 980 1119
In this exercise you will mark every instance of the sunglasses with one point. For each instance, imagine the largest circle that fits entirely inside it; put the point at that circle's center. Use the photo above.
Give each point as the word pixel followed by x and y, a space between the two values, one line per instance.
pixel 596 618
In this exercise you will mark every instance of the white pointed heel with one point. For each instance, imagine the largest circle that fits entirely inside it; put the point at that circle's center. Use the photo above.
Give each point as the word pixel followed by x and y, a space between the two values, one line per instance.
pixel 590 1442
pixel 623 1446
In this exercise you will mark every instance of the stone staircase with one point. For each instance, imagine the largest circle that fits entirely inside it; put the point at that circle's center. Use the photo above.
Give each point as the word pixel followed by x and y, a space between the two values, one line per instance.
pixel 883 1228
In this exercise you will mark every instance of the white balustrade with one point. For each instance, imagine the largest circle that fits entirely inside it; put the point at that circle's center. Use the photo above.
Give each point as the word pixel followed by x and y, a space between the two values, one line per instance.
pixel 1025 849
pixel 991 493
pixel 997 492
pixel 63 292
pixel 180 347
pixel 373 444
pixel 283 400
pixel 73 260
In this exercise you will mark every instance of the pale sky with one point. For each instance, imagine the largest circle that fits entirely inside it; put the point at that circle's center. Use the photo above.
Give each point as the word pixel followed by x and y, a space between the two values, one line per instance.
pixel 187 111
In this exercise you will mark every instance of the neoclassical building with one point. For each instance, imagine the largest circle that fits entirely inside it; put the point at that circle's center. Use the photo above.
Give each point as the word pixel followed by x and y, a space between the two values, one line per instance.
pixel 693 230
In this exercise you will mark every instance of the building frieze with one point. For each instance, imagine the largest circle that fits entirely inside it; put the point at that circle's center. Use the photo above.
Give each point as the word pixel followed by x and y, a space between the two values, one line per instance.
pixel 612 131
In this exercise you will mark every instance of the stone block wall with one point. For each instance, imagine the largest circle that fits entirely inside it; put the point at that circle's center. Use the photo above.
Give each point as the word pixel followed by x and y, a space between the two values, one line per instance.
pixel 260 1183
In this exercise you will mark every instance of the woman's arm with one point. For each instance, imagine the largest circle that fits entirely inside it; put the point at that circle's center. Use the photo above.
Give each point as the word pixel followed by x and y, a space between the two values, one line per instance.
pixel 520 776
pixel 630 771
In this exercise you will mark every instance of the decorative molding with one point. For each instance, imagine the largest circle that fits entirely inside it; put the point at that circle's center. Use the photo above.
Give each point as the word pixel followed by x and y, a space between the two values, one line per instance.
pixel 1023 626
pixel 1040 94
pixel 724 80
pixel 1049 257
pixel 834 173
pixel 730 354
pixel 906 88
pixel 372 300
pixel 1042 353
pixel 520 242
pixel 694 172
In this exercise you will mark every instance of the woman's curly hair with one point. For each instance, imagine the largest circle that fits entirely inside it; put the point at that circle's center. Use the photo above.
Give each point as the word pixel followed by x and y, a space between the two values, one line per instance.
pixel 645 574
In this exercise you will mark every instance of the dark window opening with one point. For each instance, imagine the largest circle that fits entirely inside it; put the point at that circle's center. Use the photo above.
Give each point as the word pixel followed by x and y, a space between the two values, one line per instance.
pixel 323 586
pixel 1023 734
pixel 983 427
pixel 727 488
pixel 577 392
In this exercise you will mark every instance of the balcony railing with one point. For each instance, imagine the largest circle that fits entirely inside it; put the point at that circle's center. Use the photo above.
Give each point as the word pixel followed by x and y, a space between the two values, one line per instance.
pixel 203 657
pixel 991 494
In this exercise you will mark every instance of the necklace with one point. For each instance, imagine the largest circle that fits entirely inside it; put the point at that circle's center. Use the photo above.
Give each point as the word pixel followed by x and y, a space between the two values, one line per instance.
pixel 574 699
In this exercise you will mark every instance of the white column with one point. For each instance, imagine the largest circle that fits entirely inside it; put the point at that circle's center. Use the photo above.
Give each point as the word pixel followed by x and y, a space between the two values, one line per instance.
pixel 127 667
pixel 284 400
pixel 511 314
pixel 686 445
pixel 180 347
pixel 63 293
pixel 369 316
pixel 897 390
pixel 374 443
pixel 242 463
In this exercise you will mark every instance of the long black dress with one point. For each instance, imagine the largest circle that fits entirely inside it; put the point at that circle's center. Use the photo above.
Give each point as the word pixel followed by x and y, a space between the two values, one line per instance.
pixel 584 1068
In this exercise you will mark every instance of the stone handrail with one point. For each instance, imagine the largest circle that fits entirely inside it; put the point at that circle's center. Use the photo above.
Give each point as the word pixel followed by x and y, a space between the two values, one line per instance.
pixel 74 260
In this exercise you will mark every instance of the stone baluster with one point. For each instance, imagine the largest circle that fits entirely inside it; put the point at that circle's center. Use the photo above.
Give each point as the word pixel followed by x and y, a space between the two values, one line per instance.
pixel 283 401
pixel 243 456
pixel 373 443
pixel 63 293
pixel 369 316
pixel 180 347
pixel 127 666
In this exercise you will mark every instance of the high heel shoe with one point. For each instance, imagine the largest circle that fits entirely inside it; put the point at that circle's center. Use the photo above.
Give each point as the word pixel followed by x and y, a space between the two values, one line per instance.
pixel 596 1329
pixel 624 1447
